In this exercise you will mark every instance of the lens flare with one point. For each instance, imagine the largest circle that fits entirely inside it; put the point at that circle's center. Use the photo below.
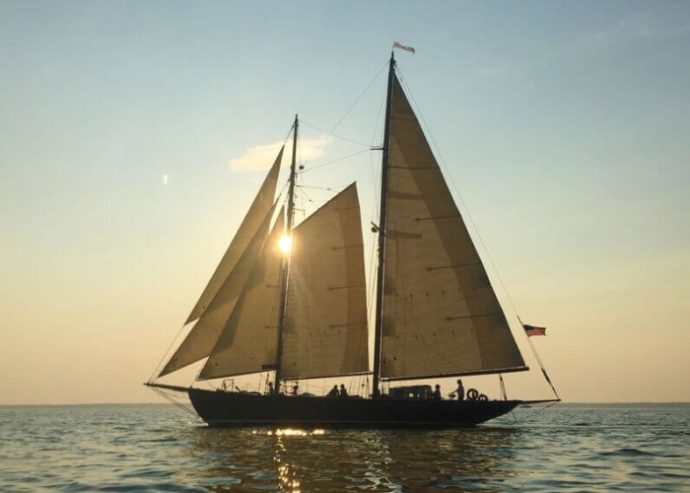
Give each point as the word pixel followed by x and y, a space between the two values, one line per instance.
pixel 285 244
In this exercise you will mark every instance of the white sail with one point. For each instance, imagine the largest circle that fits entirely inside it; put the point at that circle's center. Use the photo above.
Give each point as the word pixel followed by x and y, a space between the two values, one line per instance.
pixel 204 335
pixel 440 313
pixel 326 329
pixel 251 223
pixel 249 340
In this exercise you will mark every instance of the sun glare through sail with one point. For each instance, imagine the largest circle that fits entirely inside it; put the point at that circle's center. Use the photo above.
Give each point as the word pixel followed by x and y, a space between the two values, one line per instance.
pixel 285 244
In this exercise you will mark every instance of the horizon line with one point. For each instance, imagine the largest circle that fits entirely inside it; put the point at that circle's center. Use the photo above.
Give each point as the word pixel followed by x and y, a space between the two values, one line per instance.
pixel 145 403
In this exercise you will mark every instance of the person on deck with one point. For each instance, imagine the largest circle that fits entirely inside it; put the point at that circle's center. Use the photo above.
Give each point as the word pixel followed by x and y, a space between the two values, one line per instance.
pixel 437 393
pixel 460 391
pixel 270 390
pixel 343 392
pixel 333 392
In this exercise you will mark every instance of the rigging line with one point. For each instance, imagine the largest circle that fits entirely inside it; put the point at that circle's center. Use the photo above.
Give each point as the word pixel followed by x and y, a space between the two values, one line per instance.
pixel 173 401
pixel 337 136
pixel 375 176
pixel 280 193
pixel 543 370
pixel 312 168
pixel 538 409
pixel 289 132
pixel 302 195
pixel 352 106
pixel 153 376
pixel 306 197
pixel 378 116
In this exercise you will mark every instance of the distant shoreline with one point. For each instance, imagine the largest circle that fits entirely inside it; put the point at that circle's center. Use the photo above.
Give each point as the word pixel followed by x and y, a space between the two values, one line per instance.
pixel 132 404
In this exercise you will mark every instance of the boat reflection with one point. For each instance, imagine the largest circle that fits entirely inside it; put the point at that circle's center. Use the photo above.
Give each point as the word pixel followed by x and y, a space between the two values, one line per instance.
pixel 298 460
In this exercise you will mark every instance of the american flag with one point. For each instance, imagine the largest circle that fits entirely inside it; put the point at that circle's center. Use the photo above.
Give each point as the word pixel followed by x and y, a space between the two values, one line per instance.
pixel 403 47
pixel 531 330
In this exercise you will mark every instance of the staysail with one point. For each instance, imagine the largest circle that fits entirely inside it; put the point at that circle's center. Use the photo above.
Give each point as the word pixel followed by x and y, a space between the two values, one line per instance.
pixel 326 328
pixel 218 299
pixel 254 218
pixel 249 339
pixel 440 313
pixel 205 333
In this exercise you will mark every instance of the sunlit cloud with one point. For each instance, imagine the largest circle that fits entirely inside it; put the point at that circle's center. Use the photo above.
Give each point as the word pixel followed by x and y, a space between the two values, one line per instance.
pixel 263 156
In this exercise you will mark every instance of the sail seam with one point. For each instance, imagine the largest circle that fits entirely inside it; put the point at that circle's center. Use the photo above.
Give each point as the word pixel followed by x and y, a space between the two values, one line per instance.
pixel 454 266
pixel 464 317
pixel 430 218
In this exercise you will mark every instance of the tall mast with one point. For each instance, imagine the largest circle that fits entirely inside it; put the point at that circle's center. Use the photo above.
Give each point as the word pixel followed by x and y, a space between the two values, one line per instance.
pixel 382 233
pixel 291 188
pixel 285 270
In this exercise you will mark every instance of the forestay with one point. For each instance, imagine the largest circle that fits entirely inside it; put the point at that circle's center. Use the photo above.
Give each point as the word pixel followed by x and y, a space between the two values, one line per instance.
pixel 440 313
pixel 326 330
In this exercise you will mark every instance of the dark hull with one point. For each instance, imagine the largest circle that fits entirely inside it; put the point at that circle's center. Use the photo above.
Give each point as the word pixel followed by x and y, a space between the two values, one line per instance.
pixel 239 409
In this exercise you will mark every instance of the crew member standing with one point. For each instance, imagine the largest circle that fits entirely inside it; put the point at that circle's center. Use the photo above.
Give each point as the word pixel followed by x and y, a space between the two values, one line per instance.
pixel 460 391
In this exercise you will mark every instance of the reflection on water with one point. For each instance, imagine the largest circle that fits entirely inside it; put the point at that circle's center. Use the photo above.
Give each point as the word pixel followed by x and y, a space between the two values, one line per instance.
pixel 157 448
pixel 295 460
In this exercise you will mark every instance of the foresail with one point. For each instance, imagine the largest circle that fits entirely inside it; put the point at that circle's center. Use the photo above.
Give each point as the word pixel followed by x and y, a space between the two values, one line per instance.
pixel 250 225
pixel 204 335
pixel 326 329
pixel 440 313
pixel 249 339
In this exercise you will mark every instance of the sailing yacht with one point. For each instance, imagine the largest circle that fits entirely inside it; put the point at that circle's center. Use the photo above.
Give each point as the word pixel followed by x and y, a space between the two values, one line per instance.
pixel 290 301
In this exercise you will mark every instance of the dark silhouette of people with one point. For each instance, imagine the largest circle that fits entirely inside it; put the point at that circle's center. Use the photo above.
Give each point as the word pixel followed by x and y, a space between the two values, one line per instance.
pixel 343 392
pixel 460 391
pixel 270 390
pixel 437 393
pixel 333 392
pixel 295 388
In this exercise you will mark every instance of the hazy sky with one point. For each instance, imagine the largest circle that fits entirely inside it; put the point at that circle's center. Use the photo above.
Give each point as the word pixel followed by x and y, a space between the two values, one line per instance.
pixel 563 125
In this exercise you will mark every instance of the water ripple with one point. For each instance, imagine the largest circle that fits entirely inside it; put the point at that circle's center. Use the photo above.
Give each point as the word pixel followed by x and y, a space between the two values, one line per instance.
pixel 157 448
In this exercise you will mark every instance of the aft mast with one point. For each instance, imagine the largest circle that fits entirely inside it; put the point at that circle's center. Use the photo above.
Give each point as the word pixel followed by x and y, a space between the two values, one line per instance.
pixel 286 259
pixel 382 234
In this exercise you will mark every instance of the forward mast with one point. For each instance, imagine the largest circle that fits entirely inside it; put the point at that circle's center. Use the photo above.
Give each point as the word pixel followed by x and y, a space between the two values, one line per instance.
pixel 285 270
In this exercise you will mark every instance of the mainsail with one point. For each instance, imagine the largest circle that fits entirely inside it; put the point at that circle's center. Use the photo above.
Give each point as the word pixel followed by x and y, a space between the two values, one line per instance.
pixel 248 341
pixel 326 330
pixel 220 296
pixel 440 313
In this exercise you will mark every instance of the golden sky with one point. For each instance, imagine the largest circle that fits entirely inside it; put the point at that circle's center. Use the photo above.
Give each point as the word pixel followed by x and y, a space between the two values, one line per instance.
pixel 130 133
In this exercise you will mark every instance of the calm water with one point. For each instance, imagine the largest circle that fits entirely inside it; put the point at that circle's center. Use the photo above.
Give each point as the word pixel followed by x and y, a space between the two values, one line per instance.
pixel 161 448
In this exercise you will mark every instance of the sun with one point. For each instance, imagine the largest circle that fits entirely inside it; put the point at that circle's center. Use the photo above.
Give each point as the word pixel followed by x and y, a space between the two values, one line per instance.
pixel 285 244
